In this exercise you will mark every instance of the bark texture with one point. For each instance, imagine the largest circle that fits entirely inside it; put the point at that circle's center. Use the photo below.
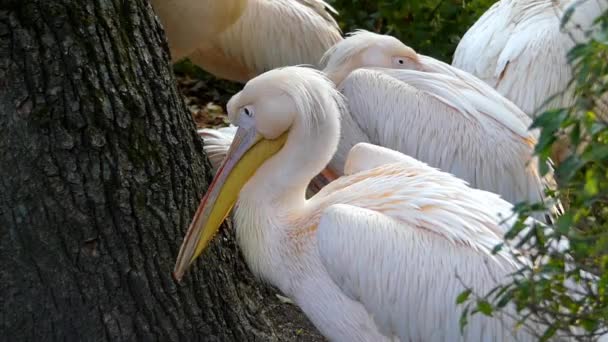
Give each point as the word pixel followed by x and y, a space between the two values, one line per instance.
pixel 100 172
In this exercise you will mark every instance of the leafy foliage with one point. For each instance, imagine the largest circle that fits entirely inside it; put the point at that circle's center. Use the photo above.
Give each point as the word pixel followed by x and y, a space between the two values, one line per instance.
pixel 566 288
pixel 431 27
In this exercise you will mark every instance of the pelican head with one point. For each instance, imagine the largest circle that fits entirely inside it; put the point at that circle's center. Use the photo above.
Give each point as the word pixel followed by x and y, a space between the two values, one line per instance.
pixel 275 111
pixel 363 49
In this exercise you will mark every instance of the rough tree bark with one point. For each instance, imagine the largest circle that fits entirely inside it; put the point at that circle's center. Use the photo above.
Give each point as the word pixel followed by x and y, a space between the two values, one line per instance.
pixel 100 172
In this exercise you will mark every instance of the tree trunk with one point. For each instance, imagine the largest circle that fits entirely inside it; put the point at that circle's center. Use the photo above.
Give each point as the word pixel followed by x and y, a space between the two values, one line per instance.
pixel 100 172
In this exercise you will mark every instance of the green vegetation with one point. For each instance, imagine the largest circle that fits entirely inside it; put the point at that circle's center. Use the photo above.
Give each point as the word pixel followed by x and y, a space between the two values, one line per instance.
pixel 539 292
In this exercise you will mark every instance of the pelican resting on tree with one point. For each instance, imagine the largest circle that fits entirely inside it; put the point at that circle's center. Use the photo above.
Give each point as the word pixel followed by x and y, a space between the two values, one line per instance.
pixel 239 39
pixel 435 113
pixel 519 48
pixel 377 254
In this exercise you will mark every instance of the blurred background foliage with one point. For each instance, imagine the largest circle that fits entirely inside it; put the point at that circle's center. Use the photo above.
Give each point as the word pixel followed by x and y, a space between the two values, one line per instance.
pixel 431 27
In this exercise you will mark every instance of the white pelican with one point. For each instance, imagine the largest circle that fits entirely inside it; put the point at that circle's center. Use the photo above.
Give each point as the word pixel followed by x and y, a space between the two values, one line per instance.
pixel 375 255
pixel 519 48
pixel 442 116
pixel 239 39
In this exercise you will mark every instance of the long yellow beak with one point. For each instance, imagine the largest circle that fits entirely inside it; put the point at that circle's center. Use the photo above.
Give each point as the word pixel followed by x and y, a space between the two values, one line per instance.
pixel 247 153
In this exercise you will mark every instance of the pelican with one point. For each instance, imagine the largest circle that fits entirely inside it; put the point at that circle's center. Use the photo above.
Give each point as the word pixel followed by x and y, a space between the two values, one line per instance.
pixel 376 254
pixel 428 110
pixel 519 48
pixel 239 39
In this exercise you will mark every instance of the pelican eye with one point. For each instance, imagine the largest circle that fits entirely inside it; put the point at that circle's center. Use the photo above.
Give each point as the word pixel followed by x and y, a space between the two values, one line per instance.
pixel 247 111
pixel 399 60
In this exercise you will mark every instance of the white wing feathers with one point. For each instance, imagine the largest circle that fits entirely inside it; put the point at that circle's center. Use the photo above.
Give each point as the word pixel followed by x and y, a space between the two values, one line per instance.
pixel 425 197
pixel 384 264
pixel 463 95
pixel 475 84
pixel 482 43
pixel 519 48
pixel 216 143
pixel 322 8
pixel 380 255
pixel 364 156
pixel 441 128
pixel 302 29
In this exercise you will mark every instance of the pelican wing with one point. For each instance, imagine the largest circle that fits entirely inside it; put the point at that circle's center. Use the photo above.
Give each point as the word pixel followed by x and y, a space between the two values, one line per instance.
pixel 435 214
pixel 323 9
pixel 272 34
pixel 188 23
pixel 439 120
pixel 421 186
pixel 481 88
pixel 364 156
pixel 518 48
pixel 481 45
pixel 384 264
pixel 217 143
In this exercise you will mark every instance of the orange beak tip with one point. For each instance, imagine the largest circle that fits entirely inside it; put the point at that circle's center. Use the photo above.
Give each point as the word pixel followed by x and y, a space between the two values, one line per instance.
pixel 177 277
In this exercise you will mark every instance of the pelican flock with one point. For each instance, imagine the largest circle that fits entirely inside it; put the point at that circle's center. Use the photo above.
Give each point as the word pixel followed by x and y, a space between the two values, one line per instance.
pixel 452 120
pixel 372 186
pixel 357 256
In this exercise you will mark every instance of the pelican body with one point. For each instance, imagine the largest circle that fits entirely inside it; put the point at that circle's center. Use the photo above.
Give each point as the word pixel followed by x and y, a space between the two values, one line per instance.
pixel 374 255
pixel 428 110
pixel 239 39
pixel 520 48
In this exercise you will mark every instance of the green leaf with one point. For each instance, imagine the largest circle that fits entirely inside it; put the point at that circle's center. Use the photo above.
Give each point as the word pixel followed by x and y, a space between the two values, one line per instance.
pixel 484 307
pixel 568 169
pixel 564 223
pixel 463 296
pixel 589 324
pixel 464 319
pixel 566 16
pixel 591 183
pixel 497 248
pixel 598 152
pixel 548 333
pixel 504 299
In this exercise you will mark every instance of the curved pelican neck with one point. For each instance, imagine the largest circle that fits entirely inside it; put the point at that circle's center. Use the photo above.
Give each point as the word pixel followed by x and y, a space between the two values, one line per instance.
pixel 338 73
pixel 283 178
pixel 337 76
pixel 275 194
